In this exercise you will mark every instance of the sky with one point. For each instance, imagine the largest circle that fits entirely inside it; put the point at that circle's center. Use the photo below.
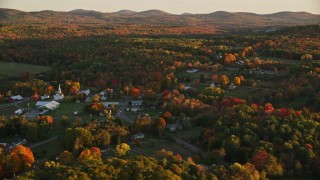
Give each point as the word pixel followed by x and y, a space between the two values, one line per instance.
pixel 171 6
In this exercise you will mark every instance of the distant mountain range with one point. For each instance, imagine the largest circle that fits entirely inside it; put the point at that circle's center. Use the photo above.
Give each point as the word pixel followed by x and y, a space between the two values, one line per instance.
pixel 157 17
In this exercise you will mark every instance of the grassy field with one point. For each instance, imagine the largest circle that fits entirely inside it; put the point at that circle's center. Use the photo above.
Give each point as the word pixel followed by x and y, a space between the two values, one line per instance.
pixel 48 151
pixel 151 144
pixel 243 92
pixel 187 134
pixel 8 111
pixel 15 69
pixel 287 61
pixel 69 109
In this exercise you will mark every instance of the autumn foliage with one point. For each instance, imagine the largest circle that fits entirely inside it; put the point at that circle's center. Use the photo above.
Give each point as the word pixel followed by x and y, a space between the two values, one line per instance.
pixel 48 119
pixel 92 153
pixel 135 92
pixel 259 159
pixel 22 158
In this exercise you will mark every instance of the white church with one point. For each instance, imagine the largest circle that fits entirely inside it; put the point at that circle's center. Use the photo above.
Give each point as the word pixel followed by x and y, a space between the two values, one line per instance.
pixel 59 95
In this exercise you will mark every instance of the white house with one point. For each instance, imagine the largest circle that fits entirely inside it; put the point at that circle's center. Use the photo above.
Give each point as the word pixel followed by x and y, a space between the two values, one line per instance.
pixel 18 112
pixel 172 127
pixel 192 70
pixel 136 102
pixel 186 88
pixel 232 86
pixel 214 84
pixel 44 97
pixel 137 136
pixel 86 92
pixel 102 93
pixel 108 104
pixel 15 98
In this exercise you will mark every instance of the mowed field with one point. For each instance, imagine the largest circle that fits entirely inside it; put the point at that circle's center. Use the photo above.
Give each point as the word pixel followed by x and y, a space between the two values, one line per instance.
pixel 10 69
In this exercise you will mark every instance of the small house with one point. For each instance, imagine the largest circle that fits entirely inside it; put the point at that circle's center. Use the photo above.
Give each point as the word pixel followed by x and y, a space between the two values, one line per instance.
pixel 137 136
pixel 214 84
pixel 44 97
pixel 172 127
pixel 15 98
pixel 86 92
pixel 142 115
pixel 186 88
pixel 192 70
pixel 18 112
pixel 108 104
pixel 103 93
pixel 136 102
pixel 232 86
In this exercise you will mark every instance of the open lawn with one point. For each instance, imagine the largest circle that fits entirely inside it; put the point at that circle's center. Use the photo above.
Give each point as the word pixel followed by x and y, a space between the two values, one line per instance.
pixel 49 150
pixel 15 69
pixel 244 92
pixel 69 109
pixel 188 134
pixel 8 111
pixel 151 144
pixel 297 103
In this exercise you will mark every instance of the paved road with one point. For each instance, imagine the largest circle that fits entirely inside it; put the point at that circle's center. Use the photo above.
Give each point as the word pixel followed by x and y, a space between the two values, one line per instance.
pixel 189 146
pixel 43 142
pixel 121 110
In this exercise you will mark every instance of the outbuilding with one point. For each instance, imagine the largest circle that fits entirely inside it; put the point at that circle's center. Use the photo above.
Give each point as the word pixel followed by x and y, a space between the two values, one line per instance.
pixel 50 105
pixel 15 98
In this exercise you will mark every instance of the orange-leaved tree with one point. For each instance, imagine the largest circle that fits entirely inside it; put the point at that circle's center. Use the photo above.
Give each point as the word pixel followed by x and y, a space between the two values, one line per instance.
pixel 22 158
pixel 48 119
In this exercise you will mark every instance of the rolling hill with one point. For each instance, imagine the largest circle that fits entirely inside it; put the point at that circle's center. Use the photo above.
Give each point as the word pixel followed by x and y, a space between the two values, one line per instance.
pixel 157 17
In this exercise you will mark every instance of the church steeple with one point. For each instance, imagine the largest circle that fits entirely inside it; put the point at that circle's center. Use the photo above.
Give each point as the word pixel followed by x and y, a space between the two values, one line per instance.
pixel 59 90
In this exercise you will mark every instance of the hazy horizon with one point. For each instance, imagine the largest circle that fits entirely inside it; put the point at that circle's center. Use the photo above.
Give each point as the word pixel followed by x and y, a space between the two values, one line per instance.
pixel 170 6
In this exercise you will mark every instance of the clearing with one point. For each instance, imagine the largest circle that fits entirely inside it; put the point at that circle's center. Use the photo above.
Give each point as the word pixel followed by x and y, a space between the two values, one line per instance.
pixel 11 69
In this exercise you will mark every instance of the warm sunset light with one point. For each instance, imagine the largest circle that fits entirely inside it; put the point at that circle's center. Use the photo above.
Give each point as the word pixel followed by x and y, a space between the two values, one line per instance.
pixel 160 89
pixel 171 6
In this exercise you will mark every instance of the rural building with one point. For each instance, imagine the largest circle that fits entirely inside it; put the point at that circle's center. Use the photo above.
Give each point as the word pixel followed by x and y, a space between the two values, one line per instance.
pixel 172 127
pixel 86 92
pixel 136 103
pixel 49 105
pixel 108 104
pixel 186 88
pixel 214 84
pixel 192 70
pixel 142 115
pixel 18 112
pixel 44 97
pixel 15 98
pixel 137 136
pixel 232 86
